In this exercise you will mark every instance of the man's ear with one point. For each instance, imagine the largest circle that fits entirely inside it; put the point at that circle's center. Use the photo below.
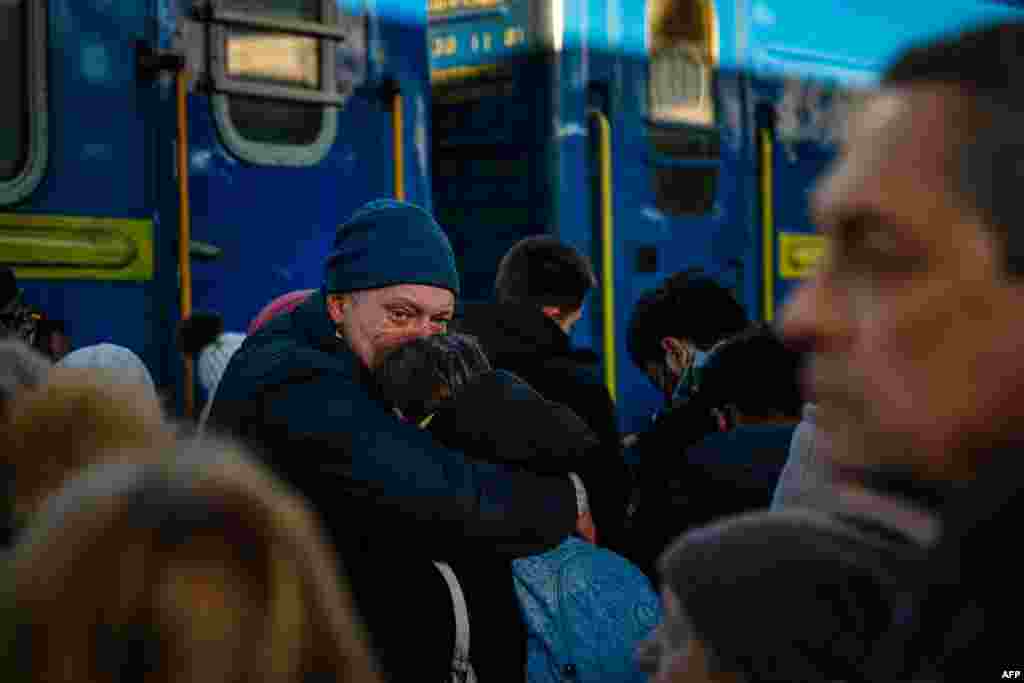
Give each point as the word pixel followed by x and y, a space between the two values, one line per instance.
pixel 556 313
pixel 677 353
pixel 673 345
pixel 336 305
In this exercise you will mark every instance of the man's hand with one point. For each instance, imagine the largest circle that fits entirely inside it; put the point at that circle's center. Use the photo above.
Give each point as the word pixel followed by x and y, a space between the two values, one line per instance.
pixel 585 527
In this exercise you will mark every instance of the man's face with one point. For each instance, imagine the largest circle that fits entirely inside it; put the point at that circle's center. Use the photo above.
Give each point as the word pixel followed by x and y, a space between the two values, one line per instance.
pixel 376 320
pixel 912 324
pixel 566 318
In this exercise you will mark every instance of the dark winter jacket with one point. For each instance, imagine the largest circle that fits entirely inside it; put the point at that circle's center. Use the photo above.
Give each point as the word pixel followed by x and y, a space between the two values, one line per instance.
pixel 690 473
pixel 499 418
pixel 391 497
pixel 962 622
pixel 525 342
pixel 301 398
pixel 726 473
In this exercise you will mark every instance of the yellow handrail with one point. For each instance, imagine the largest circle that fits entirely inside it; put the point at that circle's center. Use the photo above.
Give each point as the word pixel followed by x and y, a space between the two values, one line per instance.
pixel 768 225
pixel 184 229
pixel 398 142
pixel 607 247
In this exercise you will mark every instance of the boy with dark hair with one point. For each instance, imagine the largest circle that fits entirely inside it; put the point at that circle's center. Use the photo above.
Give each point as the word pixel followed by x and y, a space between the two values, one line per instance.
pixel 544 272
pixel 712 470
pixel 674 326
pixel 540 288
pixel 445 385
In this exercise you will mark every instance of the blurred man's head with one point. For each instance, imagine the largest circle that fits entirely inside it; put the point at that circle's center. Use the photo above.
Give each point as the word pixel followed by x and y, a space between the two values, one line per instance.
pixel 544 272
pixel 915 317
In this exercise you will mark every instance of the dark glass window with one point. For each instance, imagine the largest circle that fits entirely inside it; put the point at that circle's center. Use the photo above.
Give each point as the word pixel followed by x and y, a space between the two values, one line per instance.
pixel 684 191
pixel 14 115
pixel 275 59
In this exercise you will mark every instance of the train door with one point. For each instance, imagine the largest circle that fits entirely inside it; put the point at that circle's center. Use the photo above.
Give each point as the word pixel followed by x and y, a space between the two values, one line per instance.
pixel 676 146
pixel 78 172
pixel 491 104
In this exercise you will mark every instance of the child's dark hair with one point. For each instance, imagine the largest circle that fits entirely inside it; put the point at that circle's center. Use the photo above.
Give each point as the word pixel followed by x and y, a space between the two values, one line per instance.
pixel 420 375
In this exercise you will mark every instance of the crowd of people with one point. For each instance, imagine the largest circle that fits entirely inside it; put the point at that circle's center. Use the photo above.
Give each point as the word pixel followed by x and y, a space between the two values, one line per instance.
pixel 386 486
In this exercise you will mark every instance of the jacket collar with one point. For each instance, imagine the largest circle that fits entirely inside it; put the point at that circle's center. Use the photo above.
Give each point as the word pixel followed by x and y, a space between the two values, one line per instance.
pixel 515 329
pixel 311 326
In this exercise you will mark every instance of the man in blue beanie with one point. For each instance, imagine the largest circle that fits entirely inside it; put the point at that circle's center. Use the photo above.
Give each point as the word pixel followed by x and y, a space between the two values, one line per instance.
pixel 300 393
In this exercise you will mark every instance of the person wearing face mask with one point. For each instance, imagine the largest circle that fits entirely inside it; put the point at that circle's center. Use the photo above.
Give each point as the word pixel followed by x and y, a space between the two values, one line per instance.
pixel 673 334
pixel 674 329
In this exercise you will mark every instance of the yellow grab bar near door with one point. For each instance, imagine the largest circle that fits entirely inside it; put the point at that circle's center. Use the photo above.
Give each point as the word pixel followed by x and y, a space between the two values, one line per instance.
pixel 768 224
pixel 184 229
pixel 398 142
pixel 604 151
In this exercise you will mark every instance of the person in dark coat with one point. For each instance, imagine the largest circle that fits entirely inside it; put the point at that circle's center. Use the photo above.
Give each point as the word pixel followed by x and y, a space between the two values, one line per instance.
pixel 914 324
pixel 672 330
pixel 735 466
pixel 674 327
pixel 445 384
pixel 540 289
pixel 300 392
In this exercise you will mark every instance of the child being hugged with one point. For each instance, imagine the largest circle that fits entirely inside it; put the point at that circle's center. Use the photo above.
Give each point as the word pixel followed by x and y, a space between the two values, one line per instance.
pixel 586 608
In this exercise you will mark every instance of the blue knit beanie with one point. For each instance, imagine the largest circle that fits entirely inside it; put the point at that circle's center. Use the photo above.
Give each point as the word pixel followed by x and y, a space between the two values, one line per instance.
pixel 390 243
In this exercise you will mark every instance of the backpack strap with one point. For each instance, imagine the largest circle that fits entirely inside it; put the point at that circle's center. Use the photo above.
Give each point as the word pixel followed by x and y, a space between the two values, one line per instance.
pixel 462 668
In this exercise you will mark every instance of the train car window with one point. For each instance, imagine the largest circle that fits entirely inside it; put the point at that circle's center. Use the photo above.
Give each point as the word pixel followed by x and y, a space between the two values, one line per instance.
pixel 273 66
pixel 23 118
pixel 13 119
pixel 682 46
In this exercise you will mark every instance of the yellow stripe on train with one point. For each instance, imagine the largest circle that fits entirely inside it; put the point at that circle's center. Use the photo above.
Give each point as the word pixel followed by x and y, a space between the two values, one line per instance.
pixel 77 247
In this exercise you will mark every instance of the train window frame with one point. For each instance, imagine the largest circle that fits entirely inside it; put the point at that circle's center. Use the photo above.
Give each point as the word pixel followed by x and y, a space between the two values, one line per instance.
pixel 225 87
pixel 36 96
pixel 688 143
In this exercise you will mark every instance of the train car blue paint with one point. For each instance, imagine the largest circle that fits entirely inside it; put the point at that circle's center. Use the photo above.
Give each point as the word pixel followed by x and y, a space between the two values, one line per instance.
pixel 504 148
pixel 112 143
pixel 781 64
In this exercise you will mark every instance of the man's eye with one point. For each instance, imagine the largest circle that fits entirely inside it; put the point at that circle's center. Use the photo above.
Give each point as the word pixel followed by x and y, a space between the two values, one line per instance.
pixel 400 315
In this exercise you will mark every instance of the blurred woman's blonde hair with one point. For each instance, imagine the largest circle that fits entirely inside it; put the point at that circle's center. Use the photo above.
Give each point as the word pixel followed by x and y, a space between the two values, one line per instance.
pixel 77 417
pixel 200 568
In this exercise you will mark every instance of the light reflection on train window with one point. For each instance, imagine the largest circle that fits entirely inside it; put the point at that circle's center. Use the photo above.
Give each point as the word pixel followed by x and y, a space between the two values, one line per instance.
pixel 14 120
pixel 682 50
pixel 275 59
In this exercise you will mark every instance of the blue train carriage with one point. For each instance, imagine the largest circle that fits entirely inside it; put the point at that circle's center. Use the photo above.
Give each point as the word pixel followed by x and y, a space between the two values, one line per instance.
pixel 297 111
pixel 655 136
